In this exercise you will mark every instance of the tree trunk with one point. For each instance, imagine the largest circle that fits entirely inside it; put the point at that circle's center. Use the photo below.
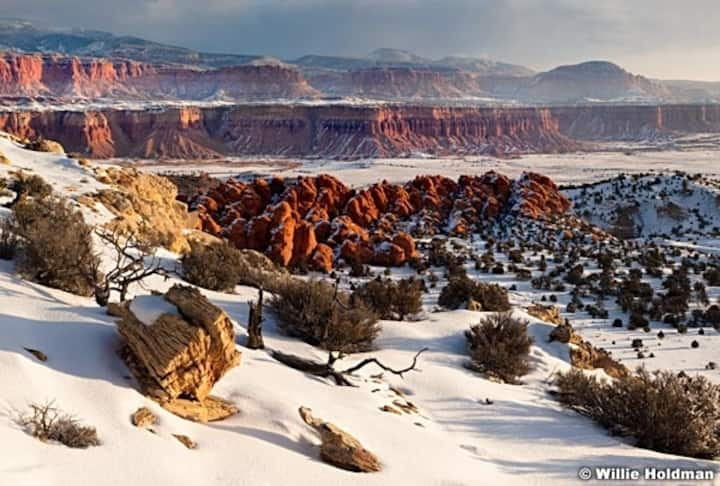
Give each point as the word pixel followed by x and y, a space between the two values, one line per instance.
pixel 255 339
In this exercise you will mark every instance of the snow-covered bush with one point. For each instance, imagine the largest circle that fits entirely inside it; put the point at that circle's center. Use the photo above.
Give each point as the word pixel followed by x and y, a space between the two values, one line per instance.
pixel 392 300
pixel 459 290
pixel 319 314
pixel 499 346
pixel 663 411
pixel 57 247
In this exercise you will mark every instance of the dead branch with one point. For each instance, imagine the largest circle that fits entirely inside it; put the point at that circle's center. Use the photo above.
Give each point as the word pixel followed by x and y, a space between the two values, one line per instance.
pixel 327 370
pixel 134 262
pixel 368 361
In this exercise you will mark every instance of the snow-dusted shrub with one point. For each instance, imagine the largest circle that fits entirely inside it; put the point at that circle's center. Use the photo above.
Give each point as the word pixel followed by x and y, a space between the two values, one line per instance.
pixel 392 300
pixel 57 247
pixel 459 290
pixel 8 242
pixel 47 423
pixel 215 266
pixel 319 314
pixel 712 276
pixel 499 346
pixel 663 411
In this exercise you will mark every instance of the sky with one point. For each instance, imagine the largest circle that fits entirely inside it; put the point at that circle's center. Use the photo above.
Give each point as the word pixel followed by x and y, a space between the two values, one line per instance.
pixel 666 39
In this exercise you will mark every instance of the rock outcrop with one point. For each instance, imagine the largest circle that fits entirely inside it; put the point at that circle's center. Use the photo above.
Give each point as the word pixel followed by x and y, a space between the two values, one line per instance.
pixel 312 222
pixel 340 448
pixel 145 205
pixel 177 347
pixel 335 131
pixel 584 355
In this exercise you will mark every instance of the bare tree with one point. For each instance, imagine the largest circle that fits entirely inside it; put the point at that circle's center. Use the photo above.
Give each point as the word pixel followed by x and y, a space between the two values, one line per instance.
pixel 134 261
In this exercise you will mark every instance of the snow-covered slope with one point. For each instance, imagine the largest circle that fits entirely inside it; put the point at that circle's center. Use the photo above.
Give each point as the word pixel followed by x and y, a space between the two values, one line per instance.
pixel 679 206
pixel 468 430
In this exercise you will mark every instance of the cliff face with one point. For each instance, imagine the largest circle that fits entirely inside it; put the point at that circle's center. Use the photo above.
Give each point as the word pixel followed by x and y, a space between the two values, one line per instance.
pixel 329 131
pixel 635 122
pixel 58 76
pixel 350 131
pixel 391 83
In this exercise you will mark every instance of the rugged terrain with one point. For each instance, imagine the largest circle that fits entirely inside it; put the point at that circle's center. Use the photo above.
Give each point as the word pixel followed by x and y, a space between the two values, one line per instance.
pixel 464 427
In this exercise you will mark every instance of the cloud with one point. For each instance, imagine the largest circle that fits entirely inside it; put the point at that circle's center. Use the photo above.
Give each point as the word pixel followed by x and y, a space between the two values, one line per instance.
pixel 654 37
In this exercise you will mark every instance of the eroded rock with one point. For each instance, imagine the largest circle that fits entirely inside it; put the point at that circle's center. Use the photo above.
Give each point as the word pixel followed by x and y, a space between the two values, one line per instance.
pixel 340 448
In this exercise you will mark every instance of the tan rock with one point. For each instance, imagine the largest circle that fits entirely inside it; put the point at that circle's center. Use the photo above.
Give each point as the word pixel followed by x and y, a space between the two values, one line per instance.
pixel 340 448
pixel 143 418
pixel 180 356
pixel 186 441
pixel 146 205
pixel 547 313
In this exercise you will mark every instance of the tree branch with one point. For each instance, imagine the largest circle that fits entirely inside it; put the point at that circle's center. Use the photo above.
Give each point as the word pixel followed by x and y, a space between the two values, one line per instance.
pixel 368 361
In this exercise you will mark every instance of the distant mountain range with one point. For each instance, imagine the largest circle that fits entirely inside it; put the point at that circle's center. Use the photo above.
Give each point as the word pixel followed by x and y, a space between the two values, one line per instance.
pixel 388 74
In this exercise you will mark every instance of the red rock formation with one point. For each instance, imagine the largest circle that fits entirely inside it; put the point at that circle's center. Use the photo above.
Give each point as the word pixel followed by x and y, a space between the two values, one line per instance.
pixel 315 215
pixel 294 130
pixel 32 75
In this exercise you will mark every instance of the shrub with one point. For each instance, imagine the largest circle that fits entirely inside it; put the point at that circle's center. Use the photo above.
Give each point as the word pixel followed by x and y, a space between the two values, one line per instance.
pixel 215 266
pixel 665 412
pixel 499 346
pixel 322 316
pixel 220 266
pixel 57 247
pixel 460 290
pixel 9 242
pixel 47 423
pixel 392 300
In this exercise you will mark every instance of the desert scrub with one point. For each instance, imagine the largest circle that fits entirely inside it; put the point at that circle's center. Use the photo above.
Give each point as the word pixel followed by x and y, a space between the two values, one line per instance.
pixel 215 266
pixel 662 411
pixel 499 347
pixel 392 300
pixel 319 314
pixel 220 266
pixel 56 245
pixel 460 290
pixel 47 423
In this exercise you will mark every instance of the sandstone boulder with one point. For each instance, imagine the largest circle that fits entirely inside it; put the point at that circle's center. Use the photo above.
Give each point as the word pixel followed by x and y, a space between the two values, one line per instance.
pixel 546 313
pixel 178 346
pixel 340 448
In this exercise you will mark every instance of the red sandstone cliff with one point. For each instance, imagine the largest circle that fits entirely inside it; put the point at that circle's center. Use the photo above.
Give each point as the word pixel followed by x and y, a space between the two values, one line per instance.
pixel 631 122
pixel 32 75
pixel 330 131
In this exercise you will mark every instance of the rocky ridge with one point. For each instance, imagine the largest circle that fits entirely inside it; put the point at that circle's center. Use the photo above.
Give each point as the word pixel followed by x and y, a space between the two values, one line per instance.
pixel 314 222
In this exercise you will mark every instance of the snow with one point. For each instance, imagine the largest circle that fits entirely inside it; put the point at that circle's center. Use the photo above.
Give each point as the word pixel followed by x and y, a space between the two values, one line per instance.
pixel 468 431
pixel 149 308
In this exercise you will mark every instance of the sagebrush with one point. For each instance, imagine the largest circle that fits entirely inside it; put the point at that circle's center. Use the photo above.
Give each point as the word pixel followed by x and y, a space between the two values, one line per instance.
pixel 319 314
pixel 460 290
pixel 662 411
pixel 499 346
pixel 392 300
pixel 56 244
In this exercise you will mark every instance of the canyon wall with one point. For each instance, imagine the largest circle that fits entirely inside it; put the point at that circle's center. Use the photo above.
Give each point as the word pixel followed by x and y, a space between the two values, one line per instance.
pixel 346 131
pixel 635 122
pixel 54 76
pixel 293 130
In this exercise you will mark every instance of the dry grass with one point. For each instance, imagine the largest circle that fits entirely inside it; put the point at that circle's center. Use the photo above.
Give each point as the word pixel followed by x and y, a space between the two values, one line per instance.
pixel 48 424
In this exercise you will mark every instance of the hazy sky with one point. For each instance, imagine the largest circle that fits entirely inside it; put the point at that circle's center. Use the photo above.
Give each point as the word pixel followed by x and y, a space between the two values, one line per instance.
pixel 657 38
